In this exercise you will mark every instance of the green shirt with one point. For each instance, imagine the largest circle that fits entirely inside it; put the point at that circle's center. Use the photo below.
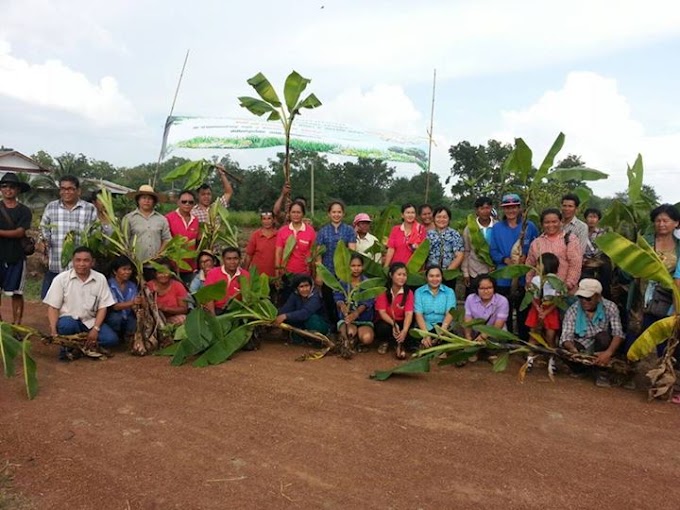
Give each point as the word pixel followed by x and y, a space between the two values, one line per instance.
pixel 150 232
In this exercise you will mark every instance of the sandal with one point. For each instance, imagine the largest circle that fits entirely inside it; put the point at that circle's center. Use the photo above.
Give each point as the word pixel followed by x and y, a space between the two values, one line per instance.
pixel 400 352
pixel 676 399
pixel 383 347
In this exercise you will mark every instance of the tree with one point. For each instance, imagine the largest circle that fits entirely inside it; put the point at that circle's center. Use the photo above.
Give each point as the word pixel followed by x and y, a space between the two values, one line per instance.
pixel 44 159
pixel 477 171
pixel 364 182
pixel 404 190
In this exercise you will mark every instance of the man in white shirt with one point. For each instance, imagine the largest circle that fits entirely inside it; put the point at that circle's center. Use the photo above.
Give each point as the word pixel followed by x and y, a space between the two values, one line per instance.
pixel 362 223
pixel 78 300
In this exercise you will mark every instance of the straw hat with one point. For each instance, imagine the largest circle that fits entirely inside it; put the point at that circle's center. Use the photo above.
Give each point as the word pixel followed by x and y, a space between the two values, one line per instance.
pixel 145 189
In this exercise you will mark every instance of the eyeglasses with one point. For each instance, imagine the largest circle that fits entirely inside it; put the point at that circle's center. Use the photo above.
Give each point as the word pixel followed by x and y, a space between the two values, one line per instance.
pixel 187 202
pixel 586 298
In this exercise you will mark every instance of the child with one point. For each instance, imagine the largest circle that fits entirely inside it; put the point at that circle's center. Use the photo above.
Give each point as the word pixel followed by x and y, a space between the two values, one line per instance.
pixel 544 316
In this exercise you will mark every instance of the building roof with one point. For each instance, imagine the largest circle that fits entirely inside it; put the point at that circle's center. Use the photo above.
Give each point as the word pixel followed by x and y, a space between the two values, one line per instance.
pixel 112 187
pixel 15 161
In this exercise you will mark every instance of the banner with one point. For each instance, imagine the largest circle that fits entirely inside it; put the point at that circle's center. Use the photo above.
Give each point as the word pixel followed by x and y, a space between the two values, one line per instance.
pixel 226 133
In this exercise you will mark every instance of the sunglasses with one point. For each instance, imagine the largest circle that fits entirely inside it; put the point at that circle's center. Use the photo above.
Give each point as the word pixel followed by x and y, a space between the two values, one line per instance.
pixel 187 202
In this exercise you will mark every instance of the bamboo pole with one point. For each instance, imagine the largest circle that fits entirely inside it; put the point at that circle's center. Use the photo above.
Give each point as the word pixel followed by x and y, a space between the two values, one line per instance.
pixel 429 134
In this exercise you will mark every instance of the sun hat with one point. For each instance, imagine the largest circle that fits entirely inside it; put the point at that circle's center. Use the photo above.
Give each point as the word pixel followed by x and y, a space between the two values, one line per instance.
pixel 145 189
pixel 510 199
pixel 588 287
pixel 361 217
pixel 11 178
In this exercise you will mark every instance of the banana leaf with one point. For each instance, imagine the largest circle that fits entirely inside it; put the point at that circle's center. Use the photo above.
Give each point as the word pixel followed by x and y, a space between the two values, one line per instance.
pixel 329 279
pixel 225 347
pixel 478 241
pixel 67 248
pixel 372 268
pixel 9 349
pixel 519 160
pixel 371 283
pixel 213 292
pixel 510 272
pixel 182 171
pixel 341 258
pixel 501 362
pixel 382 225
pixel 259 107
pixel 416 279
pixel 654 335
pixel 311 101
pixel 549 159
pixel 293 88
pixel 451 274
pixel 635 175
pixel 202 330
pixel 264 89
pixel 30 370
pixel 417 365
pixel 579 173
pixel 288 250
pixel 638 260
pixel 496 333
pixel 367 294
pixel 418 257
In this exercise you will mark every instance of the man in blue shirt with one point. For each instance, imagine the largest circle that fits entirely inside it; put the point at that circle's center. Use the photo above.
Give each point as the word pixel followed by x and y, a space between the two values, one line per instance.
pixel 504 236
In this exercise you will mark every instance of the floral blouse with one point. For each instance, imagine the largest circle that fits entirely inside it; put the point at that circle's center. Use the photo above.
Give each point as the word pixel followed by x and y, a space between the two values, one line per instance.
pixel 443 246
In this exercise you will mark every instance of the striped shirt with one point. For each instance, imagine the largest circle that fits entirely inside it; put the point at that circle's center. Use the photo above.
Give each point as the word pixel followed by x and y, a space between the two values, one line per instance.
pixel 57 221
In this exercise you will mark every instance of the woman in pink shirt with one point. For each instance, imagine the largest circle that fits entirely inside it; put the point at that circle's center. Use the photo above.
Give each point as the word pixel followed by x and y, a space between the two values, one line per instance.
pixel 395 313
pixel 566 247
pixel 404 238
pixel 300 258
pixel 171 295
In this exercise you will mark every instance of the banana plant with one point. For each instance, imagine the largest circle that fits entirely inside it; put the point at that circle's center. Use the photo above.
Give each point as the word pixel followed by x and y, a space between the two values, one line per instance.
pixel 640 260
pixel 630 216
pixel 285 112
pixel 214 340
pixel 532 179
pixel 217 231
pixel 11 348
pixel 478 241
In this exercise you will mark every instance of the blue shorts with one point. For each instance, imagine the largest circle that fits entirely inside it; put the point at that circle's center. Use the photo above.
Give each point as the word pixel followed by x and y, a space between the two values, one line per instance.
pixel 12 277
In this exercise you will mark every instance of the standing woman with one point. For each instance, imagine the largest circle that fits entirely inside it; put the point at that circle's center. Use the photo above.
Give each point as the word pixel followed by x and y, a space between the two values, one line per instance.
pixel 299 261
pixel 355 319
pixel 404 238
pixel 447 248
pixel 328 237
pixel 504 236
pixel 666 219
pixel 565 246
pixel 433 302
pixel 395 313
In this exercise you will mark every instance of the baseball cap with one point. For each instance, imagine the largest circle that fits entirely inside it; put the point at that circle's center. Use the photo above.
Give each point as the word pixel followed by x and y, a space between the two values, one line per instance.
pixel 588 287
pixel 361 217
pixel 510 199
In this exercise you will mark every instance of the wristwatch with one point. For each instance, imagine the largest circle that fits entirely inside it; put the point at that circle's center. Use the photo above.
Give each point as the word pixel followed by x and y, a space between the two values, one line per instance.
pixel 97 328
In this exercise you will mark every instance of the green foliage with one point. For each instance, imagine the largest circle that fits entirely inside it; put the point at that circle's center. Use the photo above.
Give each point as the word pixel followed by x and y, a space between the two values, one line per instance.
pixel 478 241
pixel 191 173
pixel 368 289
pixel 10 348
pixel 415 366
pixel 654 335
pixel 510 272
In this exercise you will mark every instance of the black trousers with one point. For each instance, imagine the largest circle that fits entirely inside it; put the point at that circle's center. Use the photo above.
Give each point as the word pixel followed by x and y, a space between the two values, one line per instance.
pixel 516 321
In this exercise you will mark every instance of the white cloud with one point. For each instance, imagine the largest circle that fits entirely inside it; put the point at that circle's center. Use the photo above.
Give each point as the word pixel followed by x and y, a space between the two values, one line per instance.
pixel 596 119
pixel 54 85
pixel 383 107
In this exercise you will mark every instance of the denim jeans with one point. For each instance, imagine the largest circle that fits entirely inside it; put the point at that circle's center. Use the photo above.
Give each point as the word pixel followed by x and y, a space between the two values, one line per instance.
pixel 121 325
pixel 70 326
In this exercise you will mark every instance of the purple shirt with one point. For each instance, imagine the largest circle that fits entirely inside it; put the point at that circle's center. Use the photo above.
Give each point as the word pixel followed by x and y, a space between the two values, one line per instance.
pixel 497 309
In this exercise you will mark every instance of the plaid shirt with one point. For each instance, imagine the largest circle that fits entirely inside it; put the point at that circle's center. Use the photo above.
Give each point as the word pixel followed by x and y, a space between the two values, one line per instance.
pixel 201 212
pixel 612 321
pixel 57 221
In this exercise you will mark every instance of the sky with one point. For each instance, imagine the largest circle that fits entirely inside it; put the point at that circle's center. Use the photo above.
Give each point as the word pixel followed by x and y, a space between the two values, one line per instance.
pixel 99 77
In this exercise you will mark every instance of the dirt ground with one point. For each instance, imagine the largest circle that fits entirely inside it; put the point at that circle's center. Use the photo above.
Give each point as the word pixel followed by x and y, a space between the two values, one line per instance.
pixel 264 431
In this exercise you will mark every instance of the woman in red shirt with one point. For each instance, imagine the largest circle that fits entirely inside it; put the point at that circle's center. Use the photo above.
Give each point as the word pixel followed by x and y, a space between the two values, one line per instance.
pixel 171 295
pixel 395 312
pixel 300 258
pixel 404 238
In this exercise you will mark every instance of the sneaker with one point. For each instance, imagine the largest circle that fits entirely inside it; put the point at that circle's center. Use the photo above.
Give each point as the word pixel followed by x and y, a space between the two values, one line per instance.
pixel 552 366
pixel 629 384
pixel 602 381
pixel 473 358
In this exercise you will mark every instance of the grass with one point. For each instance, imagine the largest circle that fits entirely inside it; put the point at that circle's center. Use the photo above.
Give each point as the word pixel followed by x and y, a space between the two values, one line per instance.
pixel 32 288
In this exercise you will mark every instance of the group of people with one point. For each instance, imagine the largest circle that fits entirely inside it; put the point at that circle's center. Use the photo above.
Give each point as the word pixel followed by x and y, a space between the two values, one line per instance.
pixel 81 300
